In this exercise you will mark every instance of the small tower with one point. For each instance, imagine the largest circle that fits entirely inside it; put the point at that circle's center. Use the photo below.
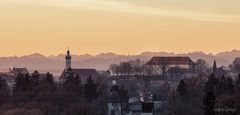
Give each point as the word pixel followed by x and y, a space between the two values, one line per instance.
pixel 68 60
pixel 214 71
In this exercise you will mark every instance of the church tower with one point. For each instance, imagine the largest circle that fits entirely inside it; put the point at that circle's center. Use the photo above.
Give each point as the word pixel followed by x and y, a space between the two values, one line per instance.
pixel 68 60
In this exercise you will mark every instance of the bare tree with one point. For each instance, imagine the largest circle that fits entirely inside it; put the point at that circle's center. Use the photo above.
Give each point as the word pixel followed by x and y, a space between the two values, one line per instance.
pixel 201 66
pixel 113 69
pixel 235 66
pixel 125 68
pixel 137 66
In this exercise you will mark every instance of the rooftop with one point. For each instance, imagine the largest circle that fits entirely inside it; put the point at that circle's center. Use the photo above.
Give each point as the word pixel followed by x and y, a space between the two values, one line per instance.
pixel 83 73
pixel 170 61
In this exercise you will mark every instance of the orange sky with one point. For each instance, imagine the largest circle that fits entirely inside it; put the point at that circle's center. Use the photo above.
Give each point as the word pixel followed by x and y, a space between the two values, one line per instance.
pixel 123 26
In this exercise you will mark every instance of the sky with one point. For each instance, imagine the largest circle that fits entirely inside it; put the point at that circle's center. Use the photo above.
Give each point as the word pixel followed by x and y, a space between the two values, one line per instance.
pixel 125 27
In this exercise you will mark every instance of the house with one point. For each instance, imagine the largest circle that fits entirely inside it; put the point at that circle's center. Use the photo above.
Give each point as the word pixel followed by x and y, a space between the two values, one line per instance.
pixel 114 105
pixel 134 106
pixel 139 107
pixel 16 71
pixel 175 67
pixel 12 74
pixel 183 62
pixel 104 73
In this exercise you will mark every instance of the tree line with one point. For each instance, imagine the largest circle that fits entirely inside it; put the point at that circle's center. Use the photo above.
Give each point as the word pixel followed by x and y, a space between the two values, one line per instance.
pixel 204 69
pixel 36 94
pixel 132 67
pixel 196 96
pixel 139 67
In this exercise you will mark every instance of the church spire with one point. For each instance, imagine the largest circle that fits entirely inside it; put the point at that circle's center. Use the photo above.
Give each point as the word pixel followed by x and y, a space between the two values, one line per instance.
pixel 68 60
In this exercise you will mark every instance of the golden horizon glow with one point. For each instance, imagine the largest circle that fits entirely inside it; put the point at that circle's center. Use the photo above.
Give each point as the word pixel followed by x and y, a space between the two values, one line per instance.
pixel 119 26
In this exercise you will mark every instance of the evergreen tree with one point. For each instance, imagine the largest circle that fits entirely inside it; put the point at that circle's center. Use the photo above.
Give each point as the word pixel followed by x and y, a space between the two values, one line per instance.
pixel 68 84
pixel 90 90
pixel 22 83
pixel 78 88
pixel 215 68
pixel 230 88
pixel 221 86
pixel 35 79
pixel 211 84
pixel 209 102
pixel 34 83
pixel 3 84
pixel 49 79
pixel 4 92
pixel 77 80
pixel 19 81
pixel 27 83
pixel 237 83
pixel 69 77
pixel 182 89
pixel 47 83
pixel 73 84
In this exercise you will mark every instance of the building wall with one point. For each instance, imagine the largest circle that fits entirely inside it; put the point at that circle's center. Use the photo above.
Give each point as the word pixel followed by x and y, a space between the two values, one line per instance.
pixel 114 108
pixel 180 66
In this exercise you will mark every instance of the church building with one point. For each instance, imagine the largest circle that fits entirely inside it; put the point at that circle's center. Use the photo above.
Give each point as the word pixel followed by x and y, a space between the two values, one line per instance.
pixel 83 73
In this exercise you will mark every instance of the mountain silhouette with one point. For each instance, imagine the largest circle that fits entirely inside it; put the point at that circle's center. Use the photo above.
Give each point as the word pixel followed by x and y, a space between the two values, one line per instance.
pixel 102 61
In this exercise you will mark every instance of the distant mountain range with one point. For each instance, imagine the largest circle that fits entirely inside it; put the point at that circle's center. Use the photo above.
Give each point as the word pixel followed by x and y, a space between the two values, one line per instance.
pixel 55 64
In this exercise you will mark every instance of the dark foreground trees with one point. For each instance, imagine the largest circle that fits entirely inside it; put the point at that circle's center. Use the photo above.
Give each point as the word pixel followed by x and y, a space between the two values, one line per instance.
pixel 221 93
pixel 187 99
pixel 4 92
pixel 235 66
pixel 209 102
pixel 37 94
pixel 182 89
pixel 196 96
pixel 90 90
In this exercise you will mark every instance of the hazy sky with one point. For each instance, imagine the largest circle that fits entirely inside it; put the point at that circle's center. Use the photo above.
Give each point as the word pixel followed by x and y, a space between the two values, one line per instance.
pixel 120 26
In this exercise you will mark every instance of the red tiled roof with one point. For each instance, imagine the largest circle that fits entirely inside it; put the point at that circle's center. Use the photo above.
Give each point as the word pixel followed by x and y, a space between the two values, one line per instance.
pixel 170 61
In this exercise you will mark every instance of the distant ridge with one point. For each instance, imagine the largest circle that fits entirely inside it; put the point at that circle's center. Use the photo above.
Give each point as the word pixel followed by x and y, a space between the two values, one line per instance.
pixel 101 61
